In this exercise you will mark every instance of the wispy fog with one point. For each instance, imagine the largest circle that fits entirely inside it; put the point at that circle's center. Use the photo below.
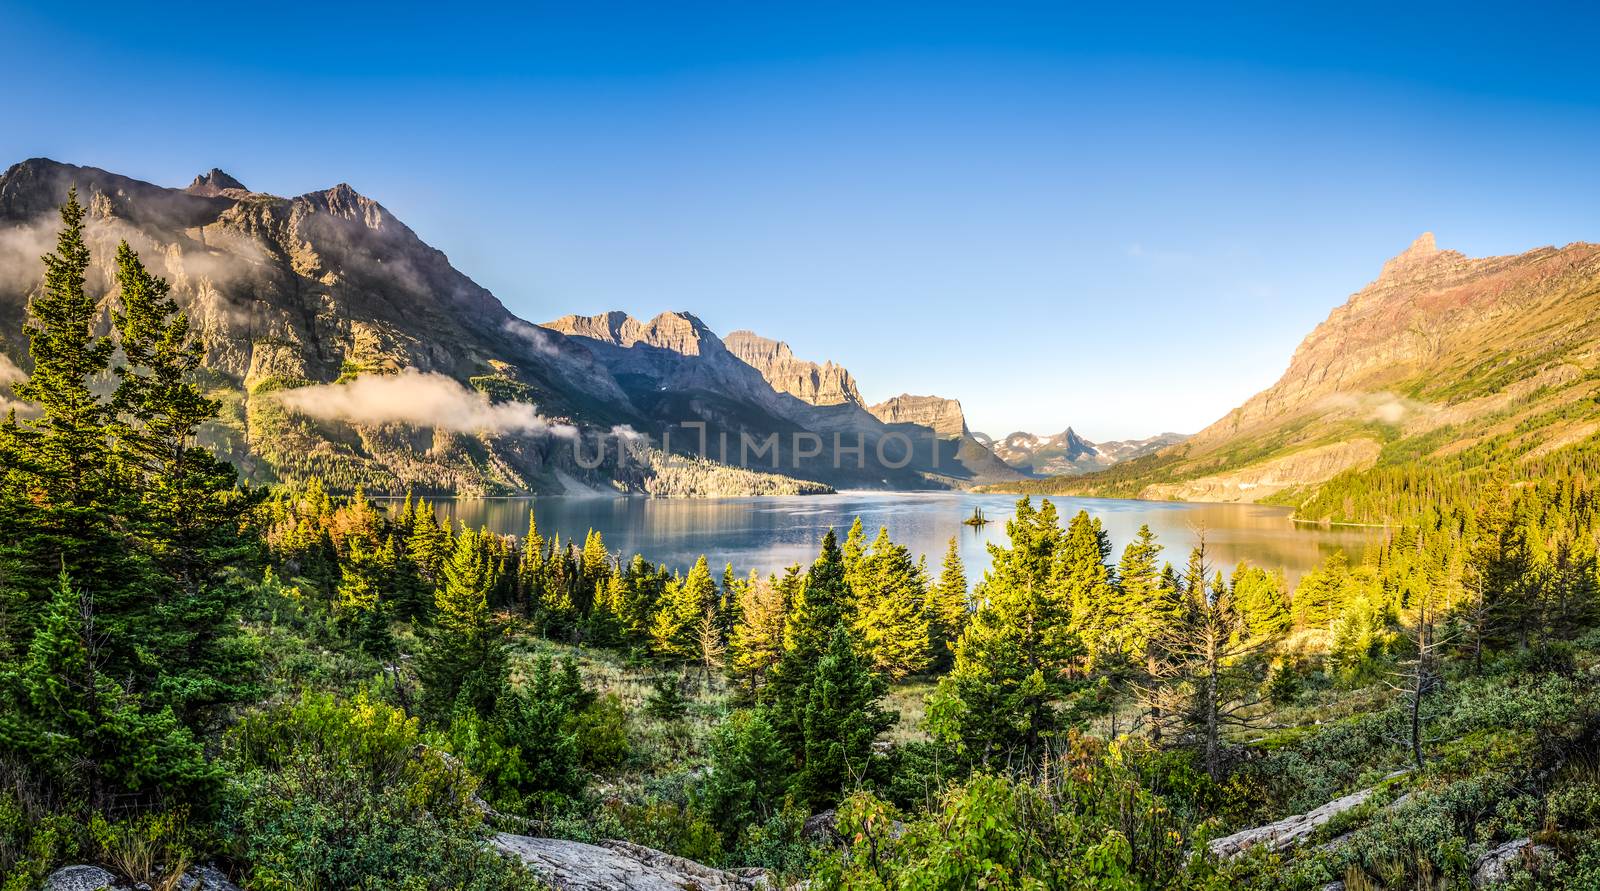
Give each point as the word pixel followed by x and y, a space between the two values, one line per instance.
pixel 421 400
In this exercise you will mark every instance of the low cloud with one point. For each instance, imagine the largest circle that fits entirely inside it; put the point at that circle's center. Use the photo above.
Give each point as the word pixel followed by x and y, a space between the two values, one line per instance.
pixel 532 335
pixel 420 400
pixel 11 374
pixel 1386 408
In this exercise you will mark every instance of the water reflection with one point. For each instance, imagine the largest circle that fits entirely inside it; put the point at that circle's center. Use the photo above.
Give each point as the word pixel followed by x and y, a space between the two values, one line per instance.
pixel 768 534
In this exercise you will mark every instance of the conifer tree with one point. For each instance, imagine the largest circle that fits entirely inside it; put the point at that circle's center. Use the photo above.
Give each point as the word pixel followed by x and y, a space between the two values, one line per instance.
pixel 948 608
pixel 756 644
pixel 890 620
pixel 64 454
pixel 840 720
pixel 1015 665
pixel 1263 601
pixel 184 506
pixel 465 664
pixel 820 606
pixel 1085 581
pixel 674 631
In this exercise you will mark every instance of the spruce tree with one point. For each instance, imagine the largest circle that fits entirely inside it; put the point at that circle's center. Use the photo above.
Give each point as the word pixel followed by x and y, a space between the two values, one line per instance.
pixel 674 631
pixel 890 620
pixel 1016 665
pixel 465 665
pixel 820 606
pixel 948 608
pixel 840 720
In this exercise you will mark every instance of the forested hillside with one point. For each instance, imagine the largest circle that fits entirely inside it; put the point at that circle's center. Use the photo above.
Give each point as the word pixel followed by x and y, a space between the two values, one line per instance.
pixel 302 690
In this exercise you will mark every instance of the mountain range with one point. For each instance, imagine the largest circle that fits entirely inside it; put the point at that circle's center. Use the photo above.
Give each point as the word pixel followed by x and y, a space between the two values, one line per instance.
pixel 1443 368
pixel 341 345
pixel 1068 454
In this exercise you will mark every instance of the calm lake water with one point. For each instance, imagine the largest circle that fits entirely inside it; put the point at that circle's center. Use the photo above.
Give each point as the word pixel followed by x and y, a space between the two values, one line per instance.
pixel 768 534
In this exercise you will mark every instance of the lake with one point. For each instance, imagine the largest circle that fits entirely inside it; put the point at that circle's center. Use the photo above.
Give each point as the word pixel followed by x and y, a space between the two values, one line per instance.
pixel 768 534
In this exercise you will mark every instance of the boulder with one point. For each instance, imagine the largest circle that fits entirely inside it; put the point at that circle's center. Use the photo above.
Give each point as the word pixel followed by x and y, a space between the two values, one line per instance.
pixel 79 878
pixel 620 866
pixel 205 878
pixel 821 827
pixel 1288 832
pixel 1495 867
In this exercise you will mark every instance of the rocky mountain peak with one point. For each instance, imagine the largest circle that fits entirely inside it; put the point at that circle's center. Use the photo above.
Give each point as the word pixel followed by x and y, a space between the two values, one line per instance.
pixel 678 332
pixel 214 183
pixel 1420 252
pixel 825 384
pixel 943 416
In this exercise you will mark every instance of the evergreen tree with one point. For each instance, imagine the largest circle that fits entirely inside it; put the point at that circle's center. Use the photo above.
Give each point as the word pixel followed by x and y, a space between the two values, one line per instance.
pixel 185 507
pixel 673 633
pixel 890 619
pixel 1322 593
pixel 63 455
pixel 80 726
pixel 820 606
pixel 840 721
pixel 465 663
pixel 948 608
pixel 1263 601
pixel 1086 582
pixel 756 644
pixel 1015 665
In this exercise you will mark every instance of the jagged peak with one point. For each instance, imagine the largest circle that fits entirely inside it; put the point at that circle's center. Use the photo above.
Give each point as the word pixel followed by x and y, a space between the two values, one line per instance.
pixel 214 182
pixel 1423 249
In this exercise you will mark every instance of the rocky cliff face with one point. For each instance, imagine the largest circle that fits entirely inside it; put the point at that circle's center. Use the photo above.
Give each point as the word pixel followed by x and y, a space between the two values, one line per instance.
pixel 825 384
pixel 307 294
pixel 943 416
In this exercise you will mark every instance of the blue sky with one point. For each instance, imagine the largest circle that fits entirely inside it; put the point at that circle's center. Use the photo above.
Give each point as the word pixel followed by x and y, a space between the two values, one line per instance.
pixel 1120 221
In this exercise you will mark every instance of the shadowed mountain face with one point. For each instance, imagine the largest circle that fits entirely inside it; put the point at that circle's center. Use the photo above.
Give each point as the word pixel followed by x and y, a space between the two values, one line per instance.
pixel 674 367
pixel 1444 364
pixel 342 345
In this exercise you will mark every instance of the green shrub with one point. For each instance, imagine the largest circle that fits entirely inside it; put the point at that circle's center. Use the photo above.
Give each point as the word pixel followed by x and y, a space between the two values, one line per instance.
pixel 602 731
pixel 332 794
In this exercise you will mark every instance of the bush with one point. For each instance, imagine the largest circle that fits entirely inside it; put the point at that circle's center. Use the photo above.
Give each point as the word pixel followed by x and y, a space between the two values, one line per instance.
pixel 602 731
pixel 332 794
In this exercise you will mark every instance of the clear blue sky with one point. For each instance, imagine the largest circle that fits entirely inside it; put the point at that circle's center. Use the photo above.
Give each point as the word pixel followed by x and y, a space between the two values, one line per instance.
pixel 1119 221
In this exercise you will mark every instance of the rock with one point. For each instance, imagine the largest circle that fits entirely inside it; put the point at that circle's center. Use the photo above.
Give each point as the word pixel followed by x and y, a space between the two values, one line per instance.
pixel 1289 831
pixel 79 878
pixel 826 384
pixel 1495 867
pixel 205 878
pixel 620 866
pixel 942 416
pixel 822 827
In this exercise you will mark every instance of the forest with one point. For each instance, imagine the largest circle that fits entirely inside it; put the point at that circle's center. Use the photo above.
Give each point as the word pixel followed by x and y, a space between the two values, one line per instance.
pixel 309 689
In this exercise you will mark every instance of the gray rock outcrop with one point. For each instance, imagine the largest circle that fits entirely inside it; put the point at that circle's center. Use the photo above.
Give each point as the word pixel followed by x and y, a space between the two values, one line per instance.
pixel 1496 866
pixel 1290 831
pixel 79 878
pixel 620 866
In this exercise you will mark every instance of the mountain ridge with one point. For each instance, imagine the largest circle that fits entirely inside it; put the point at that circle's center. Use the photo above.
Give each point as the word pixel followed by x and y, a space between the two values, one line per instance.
pixel 1443 367
pixel 315 292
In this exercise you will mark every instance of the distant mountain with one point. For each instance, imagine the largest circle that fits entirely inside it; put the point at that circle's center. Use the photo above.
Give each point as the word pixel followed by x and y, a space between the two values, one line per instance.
pixel 342 345
pixel 1067 453
pixel 1441 369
